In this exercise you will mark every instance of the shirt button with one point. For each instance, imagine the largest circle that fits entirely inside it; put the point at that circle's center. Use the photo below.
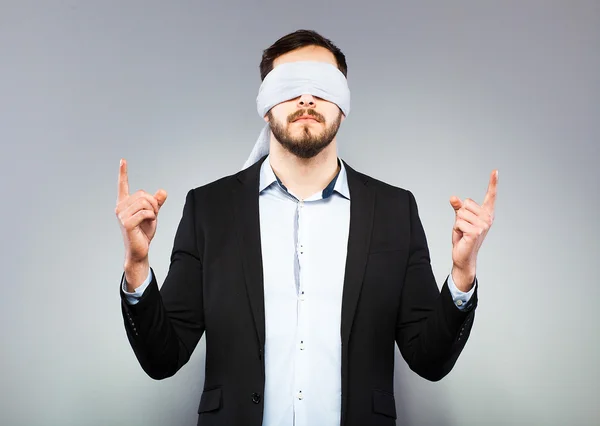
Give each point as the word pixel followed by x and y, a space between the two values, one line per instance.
pixel 256 398
pixel 302 345
pixel 300 395
pixel 459 302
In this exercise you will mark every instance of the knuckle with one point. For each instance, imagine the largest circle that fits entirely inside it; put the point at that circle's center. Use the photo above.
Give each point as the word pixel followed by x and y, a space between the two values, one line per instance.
pixel 149 198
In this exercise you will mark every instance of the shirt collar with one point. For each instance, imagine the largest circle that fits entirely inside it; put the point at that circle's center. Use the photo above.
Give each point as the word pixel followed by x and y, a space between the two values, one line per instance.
pixel 338 184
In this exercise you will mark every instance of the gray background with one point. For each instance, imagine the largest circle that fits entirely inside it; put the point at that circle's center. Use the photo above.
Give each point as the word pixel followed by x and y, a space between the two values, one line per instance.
pixel 442 93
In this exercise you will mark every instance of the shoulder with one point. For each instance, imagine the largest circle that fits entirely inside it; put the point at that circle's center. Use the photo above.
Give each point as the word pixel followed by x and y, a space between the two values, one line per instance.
pixel 213 192
pixel 223 186
pixel 382 188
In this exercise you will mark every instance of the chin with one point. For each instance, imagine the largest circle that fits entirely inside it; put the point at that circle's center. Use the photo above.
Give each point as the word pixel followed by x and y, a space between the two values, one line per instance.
pixel 304 125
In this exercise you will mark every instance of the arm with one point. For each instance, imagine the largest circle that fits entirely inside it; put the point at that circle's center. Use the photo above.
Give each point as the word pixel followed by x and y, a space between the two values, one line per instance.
pixel 431 331
pixel 164 326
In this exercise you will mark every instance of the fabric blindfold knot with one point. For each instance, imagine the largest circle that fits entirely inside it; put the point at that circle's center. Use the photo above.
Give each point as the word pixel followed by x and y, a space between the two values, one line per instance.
pixel 291 80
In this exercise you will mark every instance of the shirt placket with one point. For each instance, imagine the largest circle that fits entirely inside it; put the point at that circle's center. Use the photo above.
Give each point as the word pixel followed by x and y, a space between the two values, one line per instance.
pixel 302 364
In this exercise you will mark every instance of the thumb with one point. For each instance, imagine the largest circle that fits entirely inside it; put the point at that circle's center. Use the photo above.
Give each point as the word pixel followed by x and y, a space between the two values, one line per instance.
pixel 456 203
pixel 161 197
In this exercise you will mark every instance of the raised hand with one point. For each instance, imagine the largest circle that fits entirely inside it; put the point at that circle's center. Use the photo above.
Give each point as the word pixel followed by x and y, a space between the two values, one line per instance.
pixel 137 214
pixel 471 225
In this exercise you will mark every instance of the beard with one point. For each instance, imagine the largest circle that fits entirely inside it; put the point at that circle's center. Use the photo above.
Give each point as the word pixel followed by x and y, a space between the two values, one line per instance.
pixel 308 143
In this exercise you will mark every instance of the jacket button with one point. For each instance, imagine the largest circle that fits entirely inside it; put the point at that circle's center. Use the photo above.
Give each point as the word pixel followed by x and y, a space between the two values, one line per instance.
pixel 256 398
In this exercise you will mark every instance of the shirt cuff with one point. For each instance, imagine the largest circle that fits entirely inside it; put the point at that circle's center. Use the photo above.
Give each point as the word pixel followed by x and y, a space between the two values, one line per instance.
pixel 461 299
pixel 133 297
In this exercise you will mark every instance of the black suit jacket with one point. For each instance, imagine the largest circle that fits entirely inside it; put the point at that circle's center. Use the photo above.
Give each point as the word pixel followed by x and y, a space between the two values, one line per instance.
pixel 214 285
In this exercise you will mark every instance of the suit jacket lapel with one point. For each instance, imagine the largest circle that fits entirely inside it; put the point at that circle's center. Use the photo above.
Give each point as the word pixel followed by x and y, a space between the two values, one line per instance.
pixel 362 204
pixel 247 228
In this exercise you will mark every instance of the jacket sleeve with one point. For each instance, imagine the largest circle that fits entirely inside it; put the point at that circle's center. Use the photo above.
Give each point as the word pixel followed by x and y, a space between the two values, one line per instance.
pixel 165 325
pixel 431 331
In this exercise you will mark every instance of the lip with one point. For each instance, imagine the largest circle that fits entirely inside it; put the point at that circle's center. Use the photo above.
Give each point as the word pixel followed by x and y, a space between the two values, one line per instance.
pixel 306 118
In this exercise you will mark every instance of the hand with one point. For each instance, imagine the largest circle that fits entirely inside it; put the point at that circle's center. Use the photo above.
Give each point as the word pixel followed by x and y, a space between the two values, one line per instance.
pixel 471 225
pixel 137 214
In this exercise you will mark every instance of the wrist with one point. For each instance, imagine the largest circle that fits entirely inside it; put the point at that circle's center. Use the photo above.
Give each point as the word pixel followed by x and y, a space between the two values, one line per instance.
pixel 136 273
pixel 464 278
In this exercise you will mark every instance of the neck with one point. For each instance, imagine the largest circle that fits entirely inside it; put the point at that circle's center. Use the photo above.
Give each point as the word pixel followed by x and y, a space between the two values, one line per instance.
pixel 304 177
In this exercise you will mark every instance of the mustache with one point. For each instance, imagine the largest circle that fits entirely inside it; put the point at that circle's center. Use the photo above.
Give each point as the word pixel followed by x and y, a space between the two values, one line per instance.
pixel 311 112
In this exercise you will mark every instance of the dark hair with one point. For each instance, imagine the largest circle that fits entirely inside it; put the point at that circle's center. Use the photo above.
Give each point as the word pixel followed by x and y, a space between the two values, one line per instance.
pixel 296 40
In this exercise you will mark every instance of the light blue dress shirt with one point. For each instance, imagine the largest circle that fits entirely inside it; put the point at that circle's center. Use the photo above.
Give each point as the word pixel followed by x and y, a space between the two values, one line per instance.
pixel 304 245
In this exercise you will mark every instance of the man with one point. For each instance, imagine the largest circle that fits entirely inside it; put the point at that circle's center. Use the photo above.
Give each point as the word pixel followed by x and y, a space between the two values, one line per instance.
pixel 302 271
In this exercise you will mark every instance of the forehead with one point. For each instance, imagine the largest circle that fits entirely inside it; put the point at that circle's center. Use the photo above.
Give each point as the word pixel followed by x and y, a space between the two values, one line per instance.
pixel 307 53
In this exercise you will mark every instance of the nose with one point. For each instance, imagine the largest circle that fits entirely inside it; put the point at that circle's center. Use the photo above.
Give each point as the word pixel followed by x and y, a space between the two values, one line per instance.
pixel 306 101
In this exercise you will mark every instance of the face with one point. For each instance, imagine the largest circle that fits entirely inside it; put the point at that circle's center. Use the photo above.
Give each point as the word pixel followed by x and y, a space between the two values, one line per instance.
pixel 308 136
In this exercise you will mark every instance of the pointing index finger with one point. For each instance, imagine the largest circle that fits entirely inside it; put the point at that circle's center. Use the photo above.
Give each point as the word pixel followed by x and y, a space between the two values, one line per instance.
pixel 123 181
pixel 490 196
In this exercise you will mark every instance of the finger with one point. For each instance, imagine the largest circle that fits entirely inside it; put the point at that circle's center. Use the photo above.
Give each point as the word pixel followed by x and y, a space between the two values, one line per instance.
pixel 153 201
pixel 123 191
pixel 138 218
pixel 139 204
pixel 161 197
pixel 456 203
pixel 464 227
pixel 489 201
pixel 470 217
pixel 133 198
pixel 125 212
pixel 479 211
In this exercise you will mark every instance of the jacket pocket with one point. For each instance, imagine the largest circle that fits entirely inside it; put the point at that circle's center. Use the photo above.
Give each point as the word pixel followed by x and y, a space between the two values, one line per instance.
pixel 210 400
pixel 384 403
